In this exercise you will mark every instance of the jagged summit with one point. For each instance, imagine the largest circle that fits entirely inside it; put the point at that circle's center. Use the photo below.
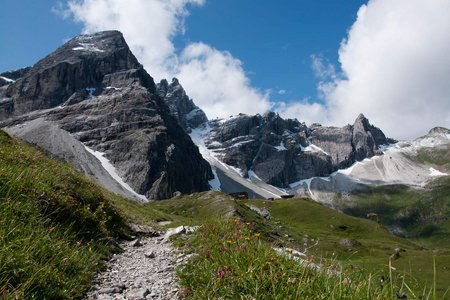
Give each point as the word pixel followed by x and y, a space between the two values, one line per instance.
pixel 283 151
pixel 181 107
pixel 439 131
pixel 94 89
pixel 92 103
pixel 84 62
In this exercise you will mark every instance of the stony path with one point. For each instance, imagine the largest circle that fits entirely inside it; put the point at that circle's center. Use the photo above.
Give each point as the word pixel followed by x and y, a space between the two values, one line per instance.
pixel 145 270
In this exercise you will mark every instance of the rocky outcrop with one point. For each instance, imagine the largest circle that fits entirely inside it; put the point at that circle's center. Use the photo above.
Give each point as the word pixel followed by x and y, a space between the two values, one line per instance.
pixel 16 74
pixel 79 64
pixel 438 131
pixel 95 89
pixel 182 108
pixel 282 151
pixel 350 143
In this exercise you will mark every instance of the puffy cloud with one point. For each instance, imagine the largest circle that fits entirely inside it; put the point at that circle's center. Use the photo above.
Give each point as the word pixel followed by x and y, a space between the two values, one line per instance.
pixel 148 26
pixel 395 68
pixel 394 63
pixel 217 82
pixel 304 111
pixel 214 79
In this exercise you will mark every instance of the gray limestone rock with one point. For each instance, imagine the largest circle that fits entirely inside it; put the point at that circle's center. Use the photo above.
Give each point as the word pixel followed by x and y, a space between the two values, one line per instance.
pixel 282 151
pixel 94 88
pixel 138 294
pixel 183 109
pixel 336 143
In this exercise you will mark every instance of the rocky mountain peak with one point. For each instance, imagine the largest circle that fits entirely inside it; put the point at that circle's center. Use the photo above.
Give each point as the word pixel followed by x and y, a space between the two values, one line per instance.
pixel 94 88
pixel 366 138
pixel 182 108
pixel 282 151
pixel 81 65
pixel 438 131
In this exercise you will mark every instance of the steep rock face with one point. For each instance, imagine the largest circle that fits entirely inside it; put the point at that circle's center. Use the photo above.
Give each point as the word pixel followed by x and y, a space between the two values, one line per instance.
pixel 350 143
pixel 8 77
pixel 94 88
pixel 79 64
pixel 366 138
pixel 336 143
pixel 281 151
pixel 182 108
pixel 267 146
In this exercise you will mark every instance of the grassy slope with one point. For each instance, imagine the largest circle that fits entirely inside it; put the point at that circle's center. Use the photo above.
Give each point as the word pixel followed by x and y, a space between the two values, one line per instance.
pixel 420 214
pixel 375 244
pixel 234 263
pixel 54 225
pixel 295 219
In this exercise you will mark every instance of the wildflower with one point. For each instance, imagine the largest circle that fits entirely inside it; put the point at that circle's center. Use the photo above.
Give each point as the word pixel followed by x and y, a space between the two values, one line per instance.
pixel 248 223
pixel 229 242
pixel 221 273
pixel 258 234
pixel 247 238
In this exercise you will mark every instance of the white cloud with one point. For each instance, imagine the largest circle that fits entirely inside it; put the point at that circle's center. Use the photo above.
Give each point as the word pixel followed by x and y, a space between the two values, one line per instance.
pixel 214 79
pixel 394 64
pixel 322 69
pixel 217 82
pixel 304 111
pixel 396 68
pixel 282 92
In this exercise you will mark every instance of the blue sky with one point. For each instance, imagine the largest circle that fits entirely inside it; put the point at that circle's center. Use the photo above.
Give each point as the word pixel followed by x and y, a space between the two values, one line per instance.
pixel 314 60
pixel 273 41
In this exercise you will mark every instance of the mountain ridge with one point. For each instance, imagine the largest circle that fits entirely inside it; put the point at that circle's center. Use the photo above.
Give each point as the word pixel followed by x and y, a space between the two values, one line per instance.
pixel 96 91
pixel 94 88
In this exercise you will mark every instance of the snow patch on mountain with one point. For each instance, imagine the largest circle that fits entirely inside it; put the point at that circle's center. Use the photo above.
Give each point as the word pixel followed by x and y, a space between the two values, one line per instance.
pixel 7 79
pixel 254 183
pixel 304 182
pixel 215 183
pixel 434 173
pixel 87 47
pixel 313 148
pixel 90 91
pixel 106 164
pixel 281 147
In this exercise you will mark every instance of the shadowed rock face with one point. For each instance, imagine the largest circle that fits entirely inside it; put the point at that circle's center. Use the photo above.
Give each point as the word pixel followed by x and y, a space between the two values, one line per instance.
pixel 79 64
pixel 282 151
pixel 94 88
pixel 182 108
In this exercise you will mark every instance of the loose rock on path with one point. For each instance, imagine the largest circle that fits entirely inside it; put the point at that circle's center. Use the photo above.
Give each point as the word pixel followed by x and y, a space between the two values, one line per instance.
pixel 145 270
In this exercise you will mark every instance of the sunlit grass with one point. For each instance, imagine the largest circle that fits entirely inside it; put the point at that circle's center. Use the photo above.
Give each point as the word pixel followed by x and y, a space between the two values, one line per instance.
pixel 54 225
pixel 234 263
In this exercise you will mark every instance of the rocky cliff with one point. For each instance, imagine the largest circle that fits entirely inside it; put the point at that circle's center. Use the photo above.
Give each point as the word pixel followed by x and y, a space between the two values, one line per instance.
pixel 282 151
pixel 94 88
pixel 181 107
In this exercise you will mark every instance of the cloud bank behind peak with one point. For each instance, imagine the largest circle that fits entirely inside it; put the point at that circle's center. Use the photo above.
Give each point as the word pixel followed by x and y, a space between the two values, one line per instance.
pixel 213 78
pixel 394 63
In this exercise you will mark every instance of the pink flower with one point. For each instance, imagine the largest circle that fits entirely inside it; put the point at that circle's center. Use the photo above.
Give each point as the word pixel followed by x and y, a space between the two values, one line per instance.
pixel 221 273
